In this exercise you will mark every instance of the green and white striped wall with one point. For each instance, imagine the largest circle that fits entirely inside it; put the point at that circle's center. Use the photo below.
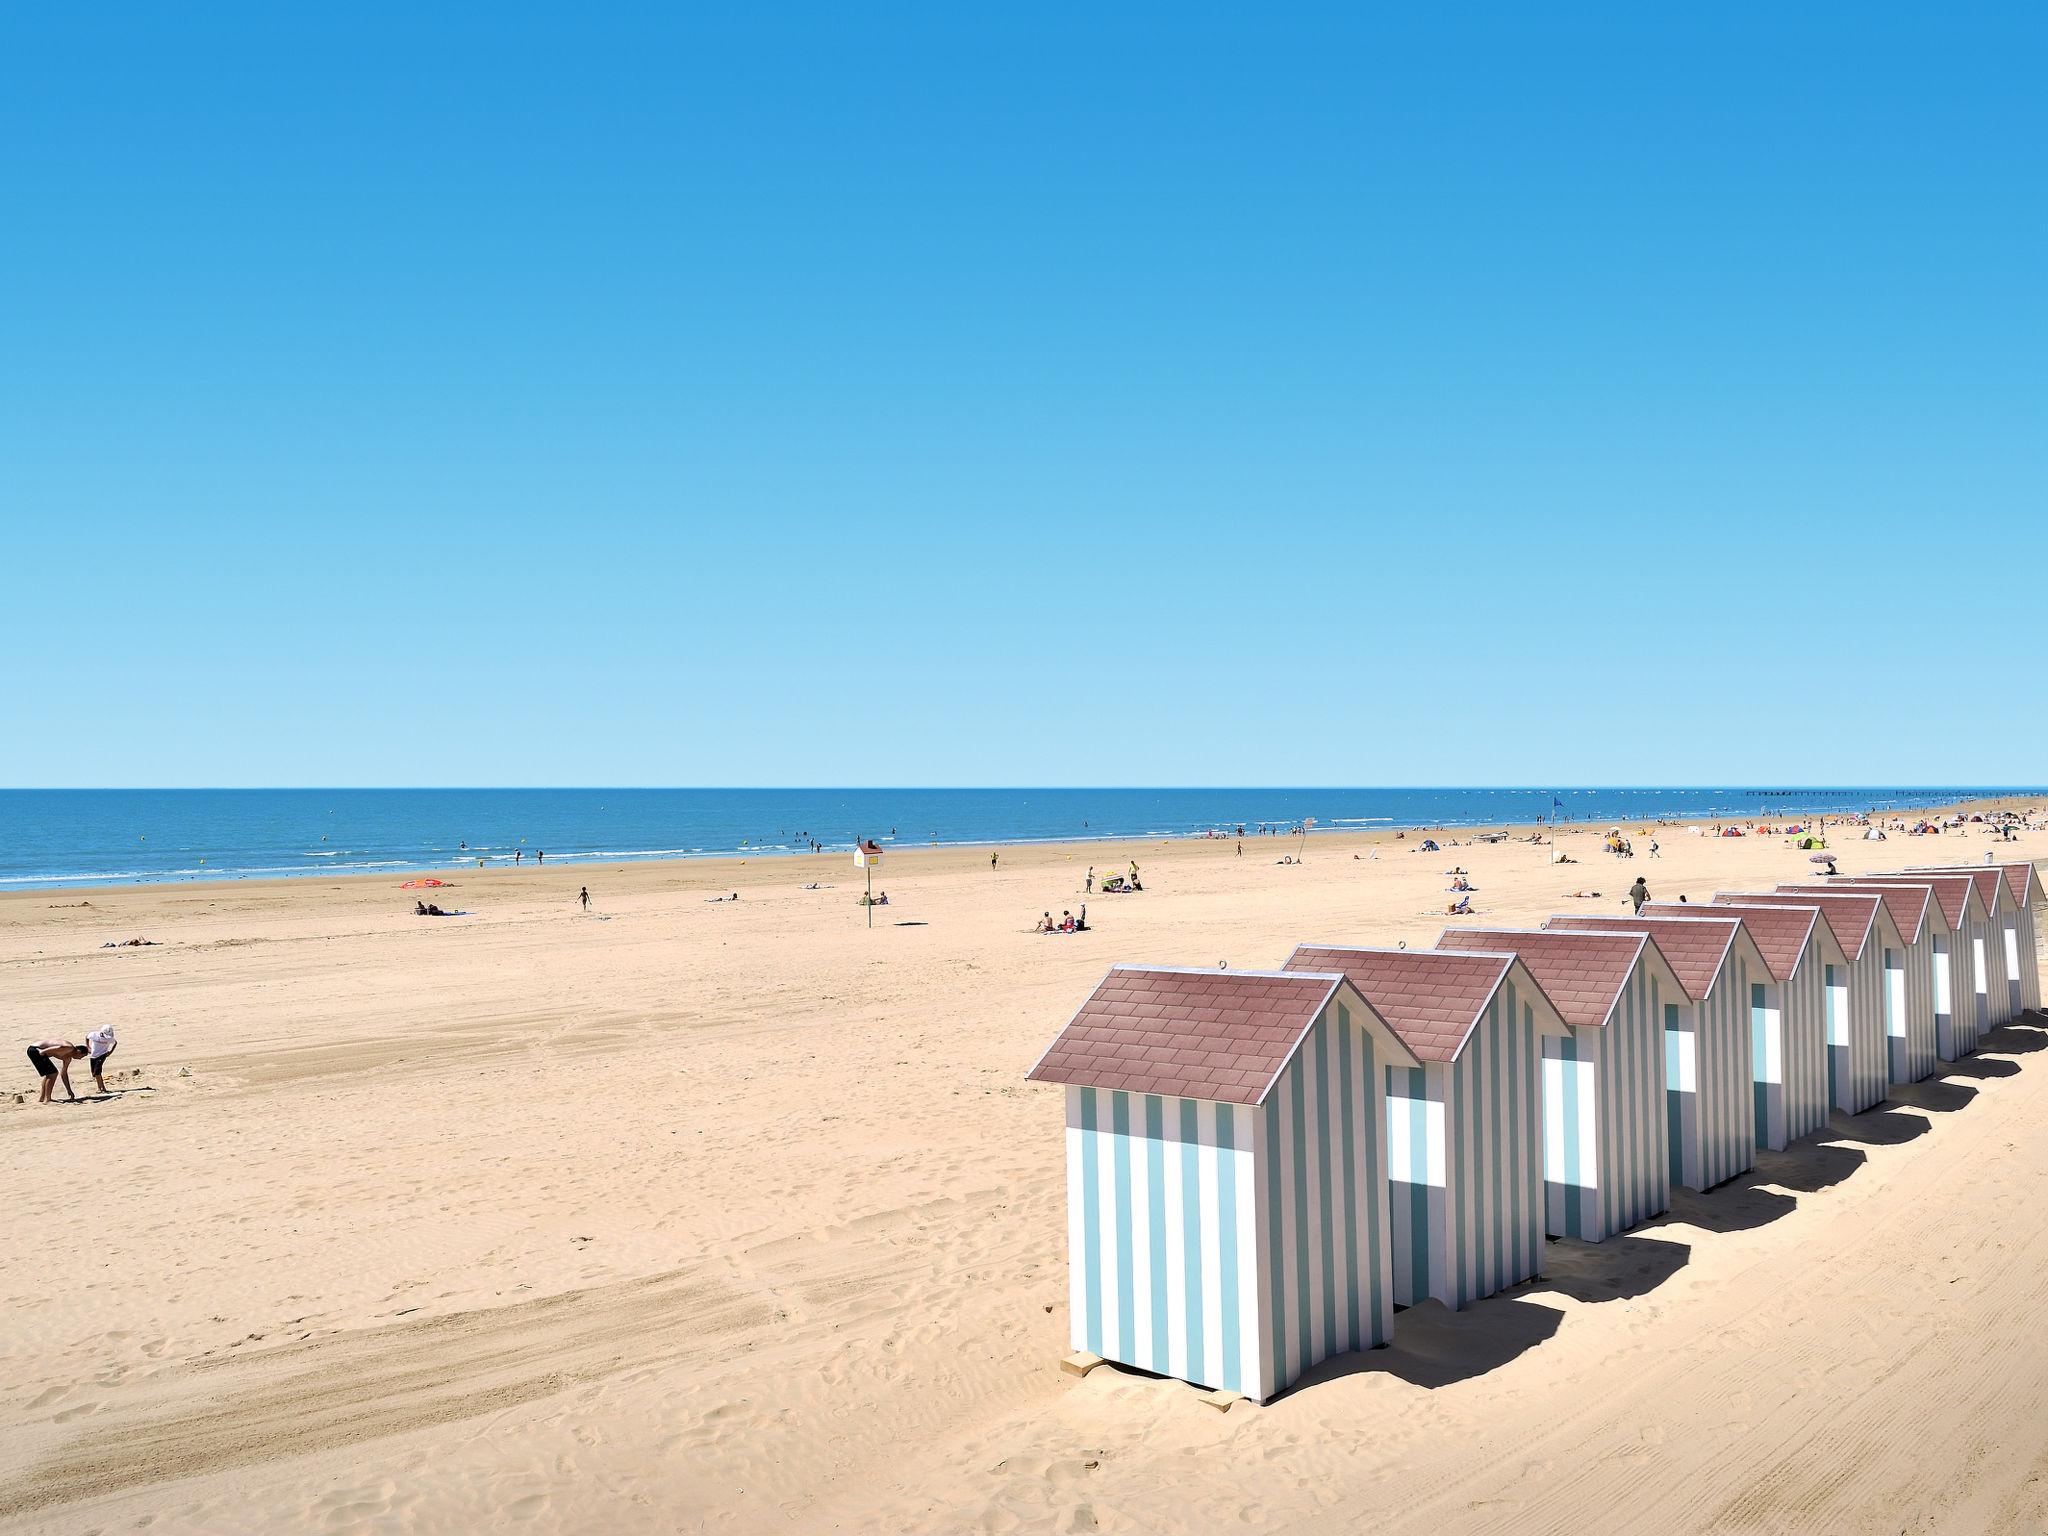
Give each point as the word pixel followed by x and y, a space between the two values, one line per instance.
pixel 1709 1082
pixel 1606 1162
pixel 1465 1162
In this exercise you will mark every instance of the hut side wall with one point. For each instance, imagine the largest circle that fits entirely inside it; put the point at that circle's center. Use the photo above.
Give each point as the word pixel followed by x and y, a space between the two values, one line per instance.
pixel 1710 1050
pixel 1606 1144
pixel 1464 1161
pixel 1163 1239
pixel 1328 1282
pixel 1858 1055
pixel 1909 1009
pixel 1790 1055
pixel 1977 970
pixel 1496 1149
pixel 2030 961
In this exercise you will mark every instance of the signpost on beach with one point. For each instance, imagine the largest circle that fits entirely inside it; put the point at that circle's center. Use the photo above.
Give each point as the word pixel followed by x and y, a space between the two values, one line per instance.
pixel 867 853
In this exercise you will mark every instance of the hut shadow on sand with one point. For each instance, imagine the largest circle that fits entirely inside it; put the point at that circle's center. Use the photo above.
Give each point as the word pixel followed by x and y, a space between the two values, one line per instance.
pixel 1934 1095
pixel 2015 1039
pixel 1620 1269
pixel 1436 1347
pixel 1878 1127
pixel 1981 1068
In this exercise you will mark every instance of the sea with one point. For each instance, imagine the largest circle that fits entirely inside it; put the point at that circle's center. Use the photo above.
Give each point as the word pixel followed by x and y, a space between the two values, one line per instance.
pixel 87 837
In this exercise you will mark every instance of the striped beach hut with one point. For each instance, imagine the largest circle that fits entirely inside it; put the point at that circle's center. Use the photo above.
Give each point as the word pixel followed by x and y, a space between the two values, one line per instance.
pixel 1958 919
pixel 1910 1034
pixel 1465 1128
pixel 2021 945
pixel 1853 992
pixel 1788 1014
pixel 1606 1143
pixel 1226 1193
pixel 1709 1045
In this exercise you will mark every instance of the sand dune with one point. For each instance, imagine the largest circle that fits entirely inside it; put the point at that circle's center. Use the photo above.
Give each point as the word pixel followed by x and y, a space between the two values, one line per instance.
pixel 740 1216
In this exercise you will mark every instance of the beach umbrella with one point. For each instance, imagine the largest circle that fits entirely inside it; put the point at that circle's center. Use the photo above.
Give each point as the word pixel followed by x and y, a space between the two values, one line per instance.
pixel 1820 858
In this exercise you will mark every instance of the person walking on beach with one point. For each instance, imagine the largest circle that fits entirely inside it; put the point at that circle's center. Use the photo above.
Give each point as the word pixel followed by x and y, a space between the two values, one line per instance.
pixel 1089 888
pixel 540 856
pixel 992 859
pixel 584 896
pixel 1653 848
pixel 518 854
pixel 1639 893
pixel 51 1058
pixel 100 1045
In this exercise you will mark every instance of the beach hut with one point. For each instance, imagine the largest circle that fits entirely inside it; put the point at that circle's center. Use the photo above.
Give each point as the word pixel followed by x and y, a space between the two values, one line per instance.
pixel 1606 1159
pixel 1226 1195
pixel 2021 944
pixel 1853 992
pixel 1788 1014
pixel 1464 1161
pixel 1989 980
pixel 1954 915
pixel 1910 1033
pixel 1710 1104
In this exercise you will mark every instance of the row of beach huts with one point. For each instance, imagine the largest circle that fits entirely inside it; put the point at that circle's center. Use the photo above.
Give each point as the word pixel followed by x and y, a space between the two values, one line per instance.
pixel 1261 1166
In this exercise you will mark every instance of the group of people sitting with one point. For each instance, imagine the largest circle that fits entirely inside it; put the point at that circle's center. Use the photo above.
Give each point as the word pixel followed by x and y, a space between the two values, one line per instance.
pixel 428 909
pixel 1116 885
pixel 880 900
pixel 1068 923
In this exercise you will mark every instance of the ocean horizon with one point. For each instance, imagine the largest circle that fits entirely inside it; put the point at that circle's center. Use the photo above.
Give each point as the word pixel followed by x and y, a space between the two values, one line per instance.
pixel 67 837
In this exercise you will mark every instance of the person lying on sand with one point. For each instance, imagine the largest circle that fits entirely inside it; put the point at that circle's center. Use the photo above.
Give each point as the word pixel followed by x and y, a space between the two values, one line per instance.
pixel 735 896
pixel 52 1059
pixel 129 944
pixel 1462 907
pixel 1583 895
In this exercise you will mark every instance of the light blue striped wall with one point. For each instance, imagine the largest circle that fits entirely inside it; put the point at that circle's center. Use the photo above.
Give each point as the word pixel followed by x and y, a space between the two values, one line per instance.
pixel 1607 1161
pixel 1481 1229
pixel 1162 1234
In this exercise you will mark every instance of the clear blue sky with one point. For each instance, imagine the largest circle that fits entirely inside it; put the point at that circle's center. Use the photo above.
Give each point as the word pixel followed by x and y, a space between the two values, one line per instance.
pixel 898 394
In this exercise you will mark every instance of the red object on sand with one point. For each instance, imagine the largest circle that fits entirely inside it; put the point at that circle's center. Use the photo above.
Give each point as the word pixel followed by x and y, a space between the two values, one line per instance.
pixel 413 885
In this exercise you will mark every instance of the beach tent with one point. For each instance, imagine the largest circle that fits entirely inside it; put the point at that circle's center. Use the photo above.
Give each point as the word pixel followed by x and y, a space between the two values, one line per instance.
pixel 1708 1046
pixel 1464 1161
pixel 1960 920
pixel 1859 1058
pixel 1226 1192
pixel 2021 941
pixel 1606 1159
pixel 1787 1013
pixel 1912 1039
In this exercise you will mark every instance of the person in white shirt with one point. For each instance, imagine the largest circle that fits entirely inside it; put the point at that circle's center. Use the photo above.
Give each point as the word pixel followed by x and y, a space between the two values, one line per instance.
pixel 100 1043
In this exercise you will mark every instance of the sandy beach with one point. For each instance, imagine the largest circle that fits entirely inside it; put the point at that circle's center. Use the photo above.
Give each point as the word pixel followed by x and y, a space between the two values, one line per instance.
pixel 739 1215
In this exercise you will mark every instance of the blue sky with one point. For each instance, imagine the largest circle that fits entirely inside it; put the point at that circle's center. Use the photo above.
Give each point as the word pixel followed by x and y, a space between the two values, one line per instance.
pixel 901 394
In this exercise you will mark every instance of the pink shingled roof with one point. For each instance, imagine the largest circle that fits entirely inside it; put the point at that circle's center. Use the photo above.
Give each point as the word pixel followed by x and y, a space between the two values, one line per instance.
pixel 1988 880
pixel 1779 933
pixel 1849 916
pixel 1220 1035
pixel 1430 999
pixel 1582 973
pixel 2024 881
pixel 1951 892
pixel 1906 903
pixel 1695 950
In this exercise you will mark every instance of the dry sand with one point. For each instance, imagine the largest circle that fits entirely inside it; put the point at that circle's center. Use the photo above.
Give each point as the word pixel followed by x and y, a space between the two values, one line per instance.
pixel 739 1216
